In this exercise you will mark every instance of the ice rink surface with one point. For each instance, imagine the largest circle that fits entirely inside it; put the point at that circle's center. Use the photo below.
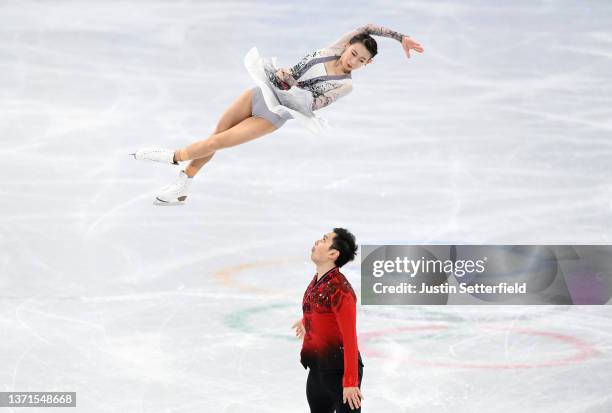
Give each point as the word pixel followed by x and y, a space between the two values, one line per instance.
pixel 499 133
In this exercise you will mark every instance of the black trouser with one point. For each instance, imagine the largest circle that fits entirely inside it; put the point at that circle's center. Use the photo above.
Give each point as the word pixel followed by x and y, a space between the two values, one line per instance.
pixel 324 391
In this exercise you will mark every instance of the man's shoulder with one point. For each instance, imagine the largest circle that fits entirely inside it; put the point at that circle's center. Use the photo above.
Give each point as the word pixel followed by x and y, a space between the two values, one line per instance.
pixel 342 282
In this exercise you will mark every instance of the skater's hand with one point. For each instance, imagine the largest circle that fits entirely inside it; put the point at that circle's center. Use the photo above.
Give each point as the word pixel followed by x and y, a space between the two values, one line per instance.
pixel 353 396
pixel 284 75
pixel 298 326
pixel 410 44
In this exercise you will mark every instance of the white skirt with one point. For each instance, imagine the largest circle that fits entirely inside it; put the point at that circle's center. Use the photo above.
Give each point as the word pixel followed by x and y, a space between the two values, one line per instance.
pixel 295 102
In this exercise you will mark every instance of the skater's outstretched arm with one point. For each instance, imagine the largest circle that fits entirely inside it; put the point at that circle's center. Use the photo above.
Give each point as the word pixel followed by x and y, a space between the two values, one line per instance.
pixel 370 29
pixel 407 42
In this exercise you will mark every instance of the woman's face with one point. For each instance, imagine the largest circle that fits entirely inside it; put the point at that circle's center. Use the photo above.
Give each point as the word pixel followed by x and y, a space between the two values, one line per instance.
pixel 355 56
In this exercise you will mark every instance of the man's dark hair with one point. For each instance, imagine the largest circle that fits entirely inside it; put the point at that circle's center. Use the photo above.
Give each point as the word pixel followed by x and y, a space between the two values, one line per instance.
pixel 344 243
pixel 368 41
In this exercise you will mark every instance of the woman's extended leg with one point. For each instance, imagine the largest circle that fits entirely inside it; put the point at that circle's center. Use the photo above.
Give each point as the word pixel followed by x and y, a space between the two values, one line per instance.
pixel 238 111
pixel 201 152
pixel 249 129
pixel 236 126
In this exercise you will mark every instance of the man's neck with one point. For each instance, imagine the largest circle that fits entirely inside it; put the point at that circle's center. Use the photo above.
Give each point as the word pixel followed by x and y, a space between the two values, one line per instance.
pixel 322 269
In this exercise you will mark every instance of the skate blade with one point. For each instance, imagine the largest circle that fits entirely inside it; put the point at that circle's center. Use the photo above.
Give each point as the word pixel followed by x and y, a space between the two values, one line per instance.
pixel 160 202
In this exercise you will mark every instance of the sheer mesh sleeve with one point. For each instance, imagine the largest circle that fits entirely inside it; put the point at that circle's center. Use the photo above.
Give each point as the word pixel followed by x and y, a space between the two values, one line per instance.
pixel 331 96
pixel 370 29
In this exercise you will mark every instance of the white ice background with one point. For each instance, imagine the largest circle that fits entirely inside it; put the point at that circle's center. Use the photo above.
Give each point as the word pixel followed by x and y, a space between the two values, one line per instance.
pixel 499 133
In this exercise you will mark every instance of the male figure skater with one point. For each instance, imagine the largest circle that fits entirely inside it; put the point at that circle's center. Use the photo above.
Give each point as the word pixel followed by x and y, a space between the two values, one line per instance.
pixel 328 329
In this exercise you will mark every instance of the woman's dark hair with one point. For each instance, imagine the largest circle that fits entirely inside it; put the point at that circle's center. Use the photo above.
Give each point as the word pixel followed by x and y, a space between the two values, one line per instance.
pixel 344 243
pixel 368 41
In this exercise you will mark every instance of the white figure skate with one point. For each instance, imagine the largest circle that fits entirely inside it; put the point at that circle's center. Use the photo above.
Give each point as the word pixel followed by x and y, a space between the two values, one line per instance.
pixel 155 154
pixel 175 193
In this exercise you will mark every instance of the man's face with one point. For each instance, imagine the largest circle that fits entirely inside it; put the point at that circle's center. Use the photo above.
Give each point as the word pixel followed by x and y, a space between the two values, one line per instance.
pixel 321 252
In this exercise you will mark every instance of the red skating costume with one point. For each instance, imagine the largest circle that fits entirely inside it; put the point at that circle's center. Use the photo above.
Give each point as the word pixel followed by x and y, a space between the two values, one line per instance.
pixel 330 343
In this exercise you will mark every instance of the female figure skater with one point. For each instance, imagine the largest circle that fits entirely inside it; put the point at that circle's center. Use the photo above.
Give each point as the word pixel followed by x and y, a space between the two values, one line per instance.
pixel 320 78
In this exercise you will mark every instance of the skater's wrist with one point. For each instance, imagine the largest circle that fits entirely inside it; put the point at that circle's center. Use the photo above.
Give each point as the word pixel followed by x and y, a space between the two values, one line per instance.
pixel 350 381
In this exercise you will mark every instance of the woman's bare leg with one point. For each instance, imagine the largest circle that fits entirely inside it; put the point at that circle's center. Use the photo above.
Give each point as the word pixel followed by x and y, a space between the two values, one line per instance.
pixel 238 111
pixel 247 130
pixel 202 151
pixel 196 164
pixel 236 126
